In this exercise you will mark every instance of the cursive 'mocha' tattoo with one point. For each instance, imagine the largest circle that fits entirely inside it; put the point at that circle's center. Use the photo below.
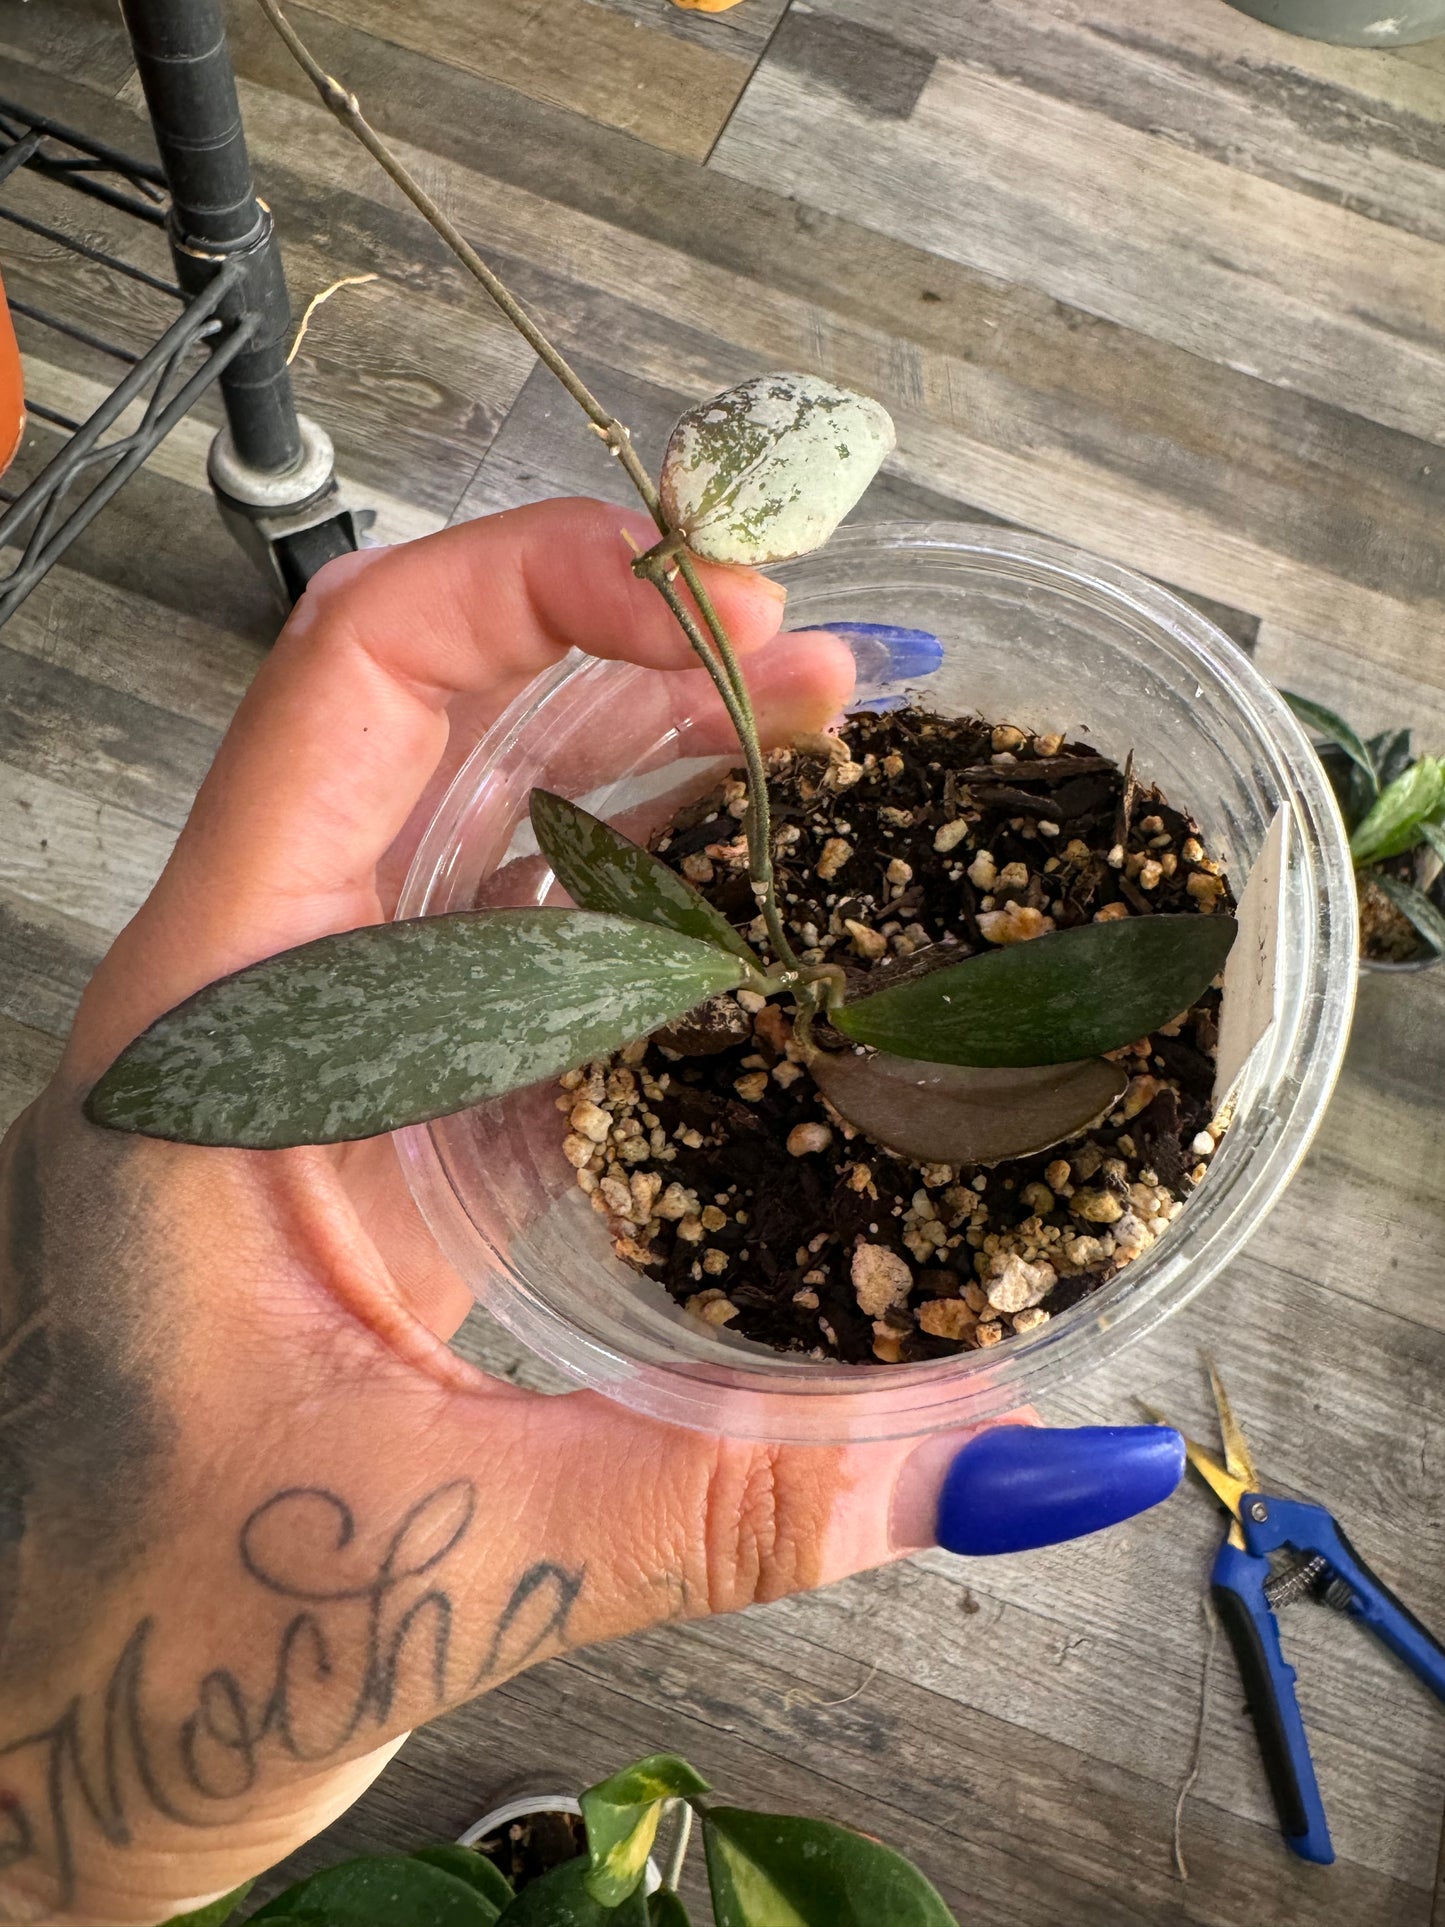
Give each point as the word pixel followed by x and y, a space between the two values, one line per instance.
pixel 368 1629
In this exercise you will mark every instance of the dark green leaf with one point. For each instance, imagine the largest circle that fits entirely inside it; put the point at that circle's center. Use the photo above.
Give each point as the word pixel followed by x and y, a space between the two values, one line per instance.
pixel 952 1114
pixel 217 1912
pixel 383 1890
pixel 664 1909
pixel 1390 753
pixel 1393 825
pixel 770 1870
pixel 622 1815
pixel 1426 916
pixel 1054 1000
pixel 1324 722
pixel 359 1033
pixel 464 1863
pixel 1354 791
pixel 561 1899
pixel 600 869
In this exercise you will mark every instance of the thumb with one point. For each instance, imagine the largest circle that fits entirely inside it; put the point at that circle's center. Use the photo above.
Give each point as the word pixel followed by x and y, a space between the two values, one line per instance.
pixel 650 1521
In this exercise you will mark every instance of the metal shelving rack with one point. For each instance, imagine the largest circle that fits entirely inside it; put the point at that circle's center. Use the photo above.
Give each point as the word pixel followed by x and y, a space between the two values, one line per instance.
pixel 271 469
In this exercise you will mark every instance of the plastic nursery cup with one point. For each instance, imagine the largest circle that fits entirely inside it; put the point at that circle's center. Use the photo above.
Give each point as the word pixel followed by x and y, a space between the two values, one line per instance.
pixel 1033 632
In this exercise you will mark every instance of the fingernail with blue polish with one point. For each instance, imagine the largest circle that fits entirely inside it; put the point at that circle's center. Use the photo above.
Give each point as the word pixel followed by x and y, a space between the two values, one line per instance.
pixel 886 653
pixel 1017 1486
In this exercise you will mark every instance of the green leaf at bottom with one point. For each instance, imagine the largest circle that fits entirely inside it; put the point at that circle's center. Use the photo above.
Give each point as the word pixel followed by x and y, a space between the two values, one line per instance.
pixel 1427 917
pixel 600 869
pixel 770 1870
pixel 956 1114
pixel 363 1032
pixel 560 1899
pixel 382 1890
pixel 465 1863
pixel 1052 1000
pixel 665 1909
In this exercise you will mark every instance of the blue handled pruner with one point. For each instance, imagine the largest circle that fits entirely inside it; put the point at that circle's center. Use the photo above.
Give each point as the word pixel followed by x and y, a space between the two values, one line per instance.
pixel 1315 1559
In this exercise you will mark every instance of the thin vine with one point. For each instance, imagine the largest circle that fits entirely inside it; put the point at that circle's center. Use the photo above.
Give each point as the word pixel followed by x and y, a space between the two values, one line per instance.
pixel 658 565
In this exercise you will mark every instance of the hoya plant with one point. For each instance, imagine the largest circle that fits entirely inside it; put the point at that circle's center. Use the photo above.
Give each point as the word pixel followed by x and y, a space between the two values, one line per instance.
pixel 1393 803
pixel 763 1870
pixel 990 1056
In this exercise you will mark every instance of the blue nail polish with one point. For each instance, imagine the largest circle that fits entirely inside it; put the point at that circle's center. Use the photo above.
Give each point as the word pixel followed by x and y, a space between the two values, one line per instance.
pixel 1018 1486
pixel 885 652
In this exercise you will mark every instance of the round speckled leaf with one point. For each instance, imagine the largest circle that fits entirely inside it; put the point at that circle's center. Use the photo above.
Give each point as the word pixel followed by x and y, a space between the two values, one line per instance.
pixel 771 1870
pixel 1058 998
pixel 954 1114
pixel 368 1030
pixel 600 869
pixel 767 470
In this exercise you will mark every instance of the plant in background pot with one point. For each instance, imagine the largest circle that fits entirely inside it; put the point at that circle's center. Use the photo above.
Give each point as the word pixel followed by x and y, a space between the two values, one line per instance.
pixel 1393 804
pixel 763 1870
pixel 983 1048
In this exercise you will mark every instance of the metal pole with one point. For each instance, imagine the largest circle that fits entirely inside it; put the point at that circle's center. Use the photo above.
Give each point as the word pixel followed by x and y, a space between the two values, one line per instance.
pixel 190 89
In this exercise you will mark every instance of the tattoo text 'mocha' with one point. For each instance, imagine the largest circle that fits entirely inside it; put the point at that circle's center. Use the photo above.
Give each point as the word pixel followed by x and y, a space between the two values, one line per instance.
pixel 370 1630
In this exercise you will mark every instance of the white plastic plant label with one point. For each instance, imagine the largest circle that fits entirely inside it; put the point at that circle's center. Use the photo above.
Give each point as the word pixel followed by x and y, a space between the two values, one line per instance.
pixel 1252 973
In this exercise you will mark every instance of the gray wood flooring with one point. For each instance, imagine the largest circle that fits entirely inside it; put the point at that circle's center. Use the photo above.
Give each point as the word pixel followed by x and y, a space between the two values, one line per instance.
pixel 1157 280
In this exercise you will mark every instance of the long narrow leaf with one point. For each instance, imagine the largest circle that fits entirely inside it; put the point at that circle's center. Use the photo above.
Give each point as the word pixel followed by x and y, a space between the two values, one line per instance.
pixel 600 869
pixel 1324 722
pixel 1059 998
pixel 1390 753
pixel 1434 835
pixel 1426 916
pixel 359 1033
pixel 1394 823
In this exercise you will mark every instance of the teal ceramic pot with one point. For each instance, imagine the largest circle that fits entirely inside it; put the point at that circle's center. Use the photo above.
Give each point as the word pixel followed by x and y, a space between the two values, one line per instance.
pixel 1352 23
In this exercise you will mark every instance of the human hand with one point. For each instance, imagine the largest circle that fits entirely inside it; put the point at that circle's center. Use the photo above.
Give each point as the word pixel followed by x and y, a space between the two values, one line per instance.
pixel 256 1520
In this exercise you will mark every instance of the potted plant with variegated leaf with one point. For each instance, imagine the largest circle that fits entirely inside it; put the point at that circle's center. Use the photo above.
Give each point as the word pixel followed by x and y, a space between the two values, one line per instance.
pixel 761 1870
pixel 1393 803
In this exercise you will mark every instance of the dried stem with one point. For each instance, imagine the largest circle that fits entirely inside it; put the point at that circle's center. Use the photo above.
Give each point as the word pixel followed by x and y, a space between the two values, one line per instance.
pixel 718 659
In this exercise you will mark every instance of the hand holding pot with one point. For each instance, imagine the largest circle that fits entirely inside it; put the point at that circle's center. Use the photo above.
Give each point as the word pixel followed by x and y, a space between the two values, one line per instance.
pixel 256 1521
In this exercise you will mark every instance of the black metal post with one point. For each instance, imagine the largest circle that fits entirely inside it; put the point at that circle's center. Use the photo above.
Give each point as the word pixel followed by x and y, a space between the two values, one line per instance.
pixel 190 89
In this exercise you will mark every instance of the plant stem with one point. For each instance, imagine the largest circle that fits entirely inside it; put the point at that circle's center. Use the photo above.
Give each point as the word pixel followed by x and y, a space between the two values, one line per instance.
pixel 728 681
pixel 723 667
pixel 672 1871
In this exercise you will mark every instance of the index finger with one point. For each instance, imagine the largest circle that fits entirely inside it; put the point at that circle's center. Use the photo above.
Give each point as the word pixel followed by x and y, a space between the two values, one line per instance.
pixel 348 719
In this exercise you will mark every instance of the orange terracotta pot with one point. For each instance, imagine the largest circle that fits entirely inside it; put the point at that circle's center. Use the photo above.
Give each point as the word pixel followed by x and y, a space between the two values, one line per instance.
pixel 12 388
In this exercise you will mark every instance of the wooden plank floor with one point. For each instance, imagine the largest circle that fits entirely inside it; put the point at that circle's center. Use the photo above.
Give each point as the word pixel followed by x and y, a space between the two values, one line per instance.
pixel 1157 280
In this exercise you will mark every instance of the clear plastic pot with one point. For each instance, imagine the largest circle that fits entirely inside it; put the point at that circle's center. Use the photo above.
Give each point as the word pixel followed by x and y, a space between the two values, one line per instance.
pixel 1033 632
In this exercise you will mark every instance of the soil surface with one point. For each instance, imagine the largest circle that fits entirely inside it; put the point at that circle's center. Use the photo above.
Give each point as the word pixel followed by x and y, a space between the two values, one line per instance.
pixel 907 841
pixel 527 1848
pixel 1387 934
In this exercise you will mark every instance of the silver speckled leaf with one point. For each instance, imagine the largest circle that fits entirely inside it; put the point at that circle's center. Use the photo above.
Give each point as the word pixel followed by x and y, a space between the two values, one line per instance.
pixel 600 869
pixel 363 1032
pixel 767 470
pixel 954 1114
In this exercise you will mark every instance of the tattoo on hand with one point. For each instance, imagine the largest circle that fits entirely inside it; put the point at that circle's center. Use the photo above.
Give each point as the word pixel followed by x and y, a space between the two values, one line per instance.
pixel 368 1626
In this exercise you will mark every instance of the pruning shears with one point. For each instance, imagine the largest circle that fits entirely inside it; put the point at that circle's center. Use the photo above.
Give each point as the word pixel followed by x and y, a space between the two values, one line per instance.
pixel 1277 1551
